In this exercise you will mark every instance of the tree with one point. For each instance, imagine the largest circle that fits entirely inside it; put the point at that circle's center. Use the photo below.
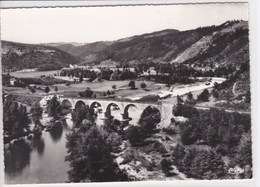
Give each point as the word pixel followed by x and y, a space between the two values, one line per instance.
pixel 204 96
pixel 53 107
pixel 56 88
pixel 81 78
pixel 179 99
pixel 132 84
pixel 114 87
pixel 33 90
pixel 143 85
pixel 215 93
pixel 88 93
pixel 90 150
pixel 15 117
pixel 36 112
pixel 135 135
pixel 83 112
pixel 47 89
pixel 190 100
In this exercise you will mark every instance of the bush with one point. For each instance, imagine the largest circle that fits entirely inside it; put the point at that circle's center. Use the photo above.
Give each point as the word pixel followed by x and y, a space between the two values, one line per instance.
pixel 184 110
pixel 150 98
pixel 135 135
pixel 166 167
pixel 143 85
pixel 88 93
pixel 204 96
pixel 132 84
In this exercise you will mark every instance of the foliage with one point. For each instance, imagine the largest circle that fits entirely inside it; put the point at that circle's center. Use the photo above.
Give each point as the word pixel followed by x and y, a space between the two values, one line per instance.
pixel 244 151
pixel 184 110
pixel 47 89
pixel 132 84
pixel 88 93
pixel 204 95
pixel 81 113
pixel 150 98
pixel 143 85
pixel 41 81
pixel 199 164
pixel 114 87
pixel 166 167
pixel 90 149
pixel 215 127
pixel 36 112
pixel 135 135
pixel 190 100
pixel 15 117
pixel 34 56
pixel 54 107
pixel 149 119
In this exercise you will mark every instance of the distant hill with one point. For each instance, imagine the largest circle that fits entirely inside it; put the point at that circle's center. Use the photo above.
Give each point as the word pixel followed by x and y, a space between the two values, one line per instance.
pixel 202 47
pixel 19 56
pixel 206 47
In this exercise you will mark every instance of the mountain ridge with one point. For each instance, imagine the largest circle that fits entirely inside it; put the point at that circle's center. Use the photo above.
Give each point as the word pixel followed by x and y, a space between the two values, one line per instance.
pixel 203 47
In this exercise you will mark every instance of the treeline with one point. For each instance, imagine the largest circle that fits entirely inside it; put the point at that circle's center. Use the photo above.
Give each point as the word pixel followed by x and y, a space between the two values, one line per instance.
pixel 105 73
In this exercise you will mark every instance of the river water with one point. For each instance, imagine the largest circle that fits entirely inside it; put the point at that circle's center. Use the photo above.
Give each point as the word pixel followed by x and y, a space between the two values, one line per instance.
pixel 43 160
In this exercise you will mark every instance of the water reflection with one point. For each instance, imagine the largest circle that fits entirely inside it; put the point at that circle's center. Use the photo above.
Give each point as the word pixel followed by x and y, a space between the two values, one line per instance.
pixel 38 145
pixel 17 157
pixel 56 132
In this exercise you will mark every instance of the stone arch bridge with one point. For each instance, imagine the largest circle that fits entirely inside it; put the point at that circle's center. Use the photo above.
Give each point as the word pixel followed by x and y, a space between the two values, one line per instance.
pixel 104 107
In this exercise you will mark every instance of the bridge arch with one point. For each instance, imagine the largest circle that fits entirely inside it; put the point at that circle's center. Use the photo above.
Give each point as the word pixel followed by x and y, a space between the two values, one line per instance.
pixel 66 104
pixel 108 109
pixel 95 105
pixel 126 113
pixel 150 114
pixel 79 104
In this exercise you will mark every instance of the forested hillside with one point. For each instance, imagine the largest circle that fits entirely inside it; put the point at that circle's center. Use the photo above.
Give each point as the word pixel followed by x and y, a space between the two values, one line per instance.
pixel 17 56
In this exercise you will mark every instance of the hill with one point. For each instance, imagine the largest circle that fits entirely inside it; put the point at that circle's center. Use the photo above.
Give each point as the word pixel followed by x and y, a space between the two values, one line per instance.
pixel 202 47
pixel 17 56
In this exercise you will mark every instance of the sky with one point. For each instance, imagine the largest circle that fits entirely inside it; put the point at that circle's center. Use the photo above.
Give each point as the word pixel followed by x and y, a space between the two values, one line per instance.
pixel 90 24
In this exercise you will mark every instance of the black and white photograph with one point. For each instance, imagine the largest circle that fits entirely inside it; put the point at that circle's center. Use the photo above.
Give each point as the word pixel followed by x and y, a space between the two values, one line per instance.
pixel 126 93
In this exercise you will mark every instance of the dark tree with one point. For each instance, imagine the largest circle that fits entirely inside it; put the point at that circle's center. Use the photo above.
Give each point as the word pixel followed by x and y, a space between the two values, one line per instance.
pixel 90 151
pixel 114 87
pixel 132 84
pixel 143 85
pixel 15 117
pixel 54 107
pixel 33 90
pixel 47 89
pixel 56 88
pixel 83 112
pixel 204 96
pixel 36 112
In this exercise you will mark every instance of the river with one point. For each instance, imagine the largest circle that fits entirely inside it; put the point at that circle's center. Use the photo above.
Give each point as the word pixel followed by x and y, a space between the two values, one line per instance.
pixel 43 160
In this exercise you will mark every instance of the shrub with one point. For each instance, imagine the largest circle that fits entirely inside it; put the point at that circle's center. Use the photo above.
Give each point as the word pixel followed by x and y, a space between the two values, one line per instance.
pixel 204 96
pixel 166 167
pixel 143 85
pixel 132 84
pixel 184 110
pixel 135 135
pixel 150 98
